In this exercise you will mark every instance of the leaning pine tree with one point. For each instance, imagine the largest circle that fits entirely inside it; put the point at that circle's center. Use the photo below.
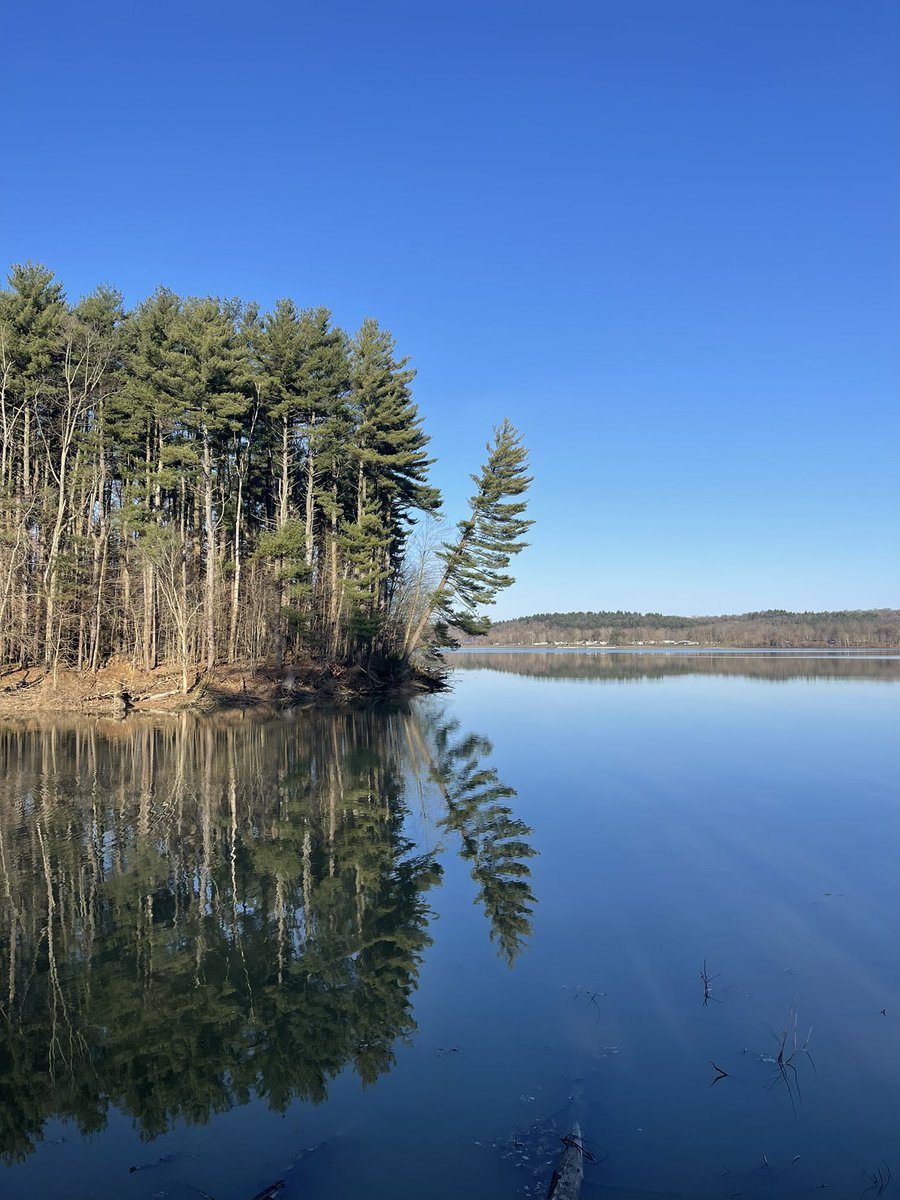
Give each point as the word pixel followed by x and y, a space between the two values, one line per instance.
pixel 474 565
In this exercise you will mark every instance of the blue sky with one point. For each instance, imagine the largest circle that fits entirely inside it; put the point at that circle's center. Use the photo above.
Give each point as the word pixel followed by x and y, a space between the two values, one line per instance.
pixel 662 236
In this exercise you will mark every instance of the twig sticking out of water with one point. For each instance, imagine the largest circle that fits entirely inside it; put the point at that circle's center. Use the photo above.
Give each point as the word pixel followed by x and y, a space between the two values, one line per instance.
pixel 593 997
pixel 878 1181
pixel 788 1050
pixel 571 1140
pixel 707 986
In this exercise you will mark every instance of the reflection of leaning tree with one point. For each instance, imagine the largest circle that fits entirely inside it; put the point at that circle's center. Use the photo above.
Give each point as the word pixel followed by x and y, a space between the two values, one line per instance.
pixel 492 838
pixel 192 915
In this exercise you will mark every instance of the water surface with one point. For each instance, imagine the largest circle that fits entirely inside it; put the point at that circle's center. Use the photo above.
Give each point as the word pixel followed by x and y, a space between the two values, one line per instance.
pixel 393 951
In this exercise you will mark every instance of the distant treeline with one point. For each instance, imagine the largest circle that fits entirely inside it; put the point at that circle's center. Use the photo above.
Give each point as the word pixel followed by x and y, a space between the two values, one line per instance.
pixel 774 628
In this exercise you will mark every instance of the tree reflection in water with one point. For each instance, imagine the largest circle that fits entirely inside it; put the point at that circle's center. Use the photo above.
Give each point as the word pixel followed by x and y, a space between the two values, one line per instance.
pixel 194 914
pixel 491 837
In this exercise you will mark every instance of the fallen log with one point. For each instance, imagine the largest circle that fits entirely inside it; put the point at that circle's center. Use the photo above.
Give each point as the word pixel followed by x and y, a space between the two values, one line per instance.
pixel 271 1191
pixel 569 1173
pixel 156 695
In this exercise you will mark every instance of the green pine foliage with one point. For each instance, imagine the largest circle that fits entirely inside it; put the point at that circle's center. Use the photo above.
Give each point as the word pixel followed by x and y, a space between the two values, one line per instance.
pixel 475 564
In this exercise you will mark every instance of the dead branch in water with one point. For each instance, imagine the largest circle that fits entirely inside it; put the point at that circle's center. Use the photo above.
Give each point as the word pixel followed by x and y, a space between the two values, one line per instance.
pixel 707 986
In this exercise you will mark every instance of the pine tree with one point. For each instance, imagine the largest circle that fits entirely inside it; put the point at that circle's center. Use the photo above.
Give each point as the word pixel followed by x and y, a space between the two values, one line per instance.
pixel 279 351
pixel 390 450
pixel 156 464
pixel 33 317
pixel 304 373
pixel 329 428
pixel 210 375
pixel 475 564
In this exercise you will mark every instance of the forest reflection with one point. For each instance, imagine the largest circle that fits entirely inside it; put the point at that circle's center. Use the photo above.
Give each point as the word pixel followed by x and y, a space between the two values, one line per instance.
pixel 196 913
pixel 633 665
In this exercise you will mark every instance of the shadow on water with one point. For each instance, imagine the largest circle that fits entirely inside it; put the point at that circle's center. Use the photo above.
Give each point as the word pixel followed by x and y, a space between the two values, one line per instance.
pixel 195 914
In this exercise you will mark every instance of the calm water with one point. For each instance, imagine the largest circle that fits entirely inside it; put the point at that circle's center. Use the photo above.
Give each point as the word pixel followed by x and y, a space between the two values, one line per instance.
pixel 394 952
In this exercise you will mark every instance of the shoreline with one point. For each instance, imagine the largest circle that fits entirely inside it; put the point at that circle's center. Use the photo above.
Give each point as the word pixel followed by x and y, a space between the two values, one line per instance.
pixel 118 689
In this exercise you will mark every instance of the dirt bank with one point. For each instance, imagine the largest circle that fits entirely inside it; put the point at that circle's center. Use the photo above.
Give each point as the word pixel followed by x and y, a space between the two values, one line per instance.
pixel 118 688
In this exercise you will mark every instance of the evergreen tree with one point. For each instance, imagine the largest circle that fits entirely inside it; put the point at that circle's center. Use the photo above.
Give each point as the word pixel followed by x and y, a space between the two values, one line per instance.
pixel 213 402
pixel 32 315
pixel 156 464
pixel 390 449
pixel 475 564
pixel 280 352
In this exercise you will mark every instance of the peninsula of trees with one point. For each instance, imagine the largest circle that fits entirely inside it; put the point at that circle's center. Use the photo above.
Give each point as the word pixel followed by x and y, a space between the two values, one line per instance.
pixel 773 628
pixel 197 482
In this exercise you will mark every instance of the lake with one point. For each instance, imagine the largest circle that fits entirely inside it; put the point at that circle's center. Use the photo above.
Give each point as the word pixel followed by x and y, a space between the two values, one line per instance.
pixel 394 951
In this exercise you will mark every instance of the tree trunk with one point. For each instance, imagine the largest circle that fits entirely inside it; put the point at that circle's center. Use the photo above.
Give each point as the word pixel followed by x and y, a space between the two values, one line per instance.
pixel 210 554
pixel 285 482
pixel 310 494
pixel 236 578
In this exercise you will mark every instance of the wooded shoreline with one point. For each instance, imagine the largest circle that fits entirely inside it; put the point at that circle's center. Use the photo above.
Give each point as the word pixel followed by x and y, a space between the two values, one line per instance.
pixel 772 629
pixel 195 481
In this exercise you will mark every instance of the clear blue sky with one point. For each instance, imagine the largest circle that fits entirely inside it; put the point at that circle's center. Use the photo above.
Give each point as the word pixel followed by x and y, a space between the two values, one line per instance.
pixel 662 236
